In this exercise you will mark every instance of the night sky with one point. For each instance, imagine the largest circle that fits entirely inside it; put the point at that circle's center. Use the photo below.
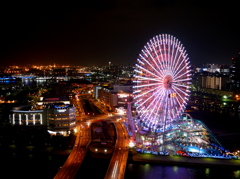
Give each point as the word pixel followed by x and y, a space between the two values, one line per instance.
pixel 99 31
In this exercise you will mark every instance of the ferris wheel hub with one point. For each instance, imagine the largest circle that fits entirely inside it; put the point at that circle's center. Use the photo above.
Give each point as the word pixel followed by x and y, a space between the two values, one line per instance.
pixel 167 82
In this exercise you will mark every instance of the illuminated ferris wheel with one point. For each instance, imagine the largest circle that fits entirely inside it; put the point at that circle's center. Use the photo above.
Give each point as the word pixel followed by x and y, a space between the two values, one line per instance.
pixel 163 80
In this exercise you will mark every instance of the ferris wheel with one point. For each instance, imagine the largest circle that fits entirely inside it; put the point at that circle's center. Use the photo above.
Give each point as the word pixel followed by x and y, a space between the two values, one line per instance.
pixel 163 80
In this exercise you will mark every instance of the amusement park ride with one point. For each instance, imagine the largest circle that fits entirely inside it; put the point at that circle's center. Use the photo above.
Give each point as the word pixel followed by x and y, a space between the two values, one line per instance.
pixel 161 93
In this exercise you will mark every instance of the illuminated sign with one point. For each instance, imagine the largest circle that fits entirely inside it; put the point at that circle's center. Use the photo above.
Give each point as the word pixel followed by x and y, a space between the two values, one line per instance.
pixel 61 110
pixel 171 95
pixel 123 95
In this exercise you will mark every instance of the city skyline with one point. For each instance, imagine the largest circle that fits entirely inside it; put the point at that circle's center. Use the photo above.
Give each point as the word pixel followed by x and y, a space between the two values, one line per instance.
pixel 102 31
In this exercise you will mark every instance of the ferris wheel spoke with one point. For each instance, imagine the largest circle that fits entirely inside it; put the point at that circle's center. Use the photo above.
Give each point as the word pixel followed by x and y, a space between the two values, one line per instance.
pixel 158 104
pixel 157 52
pixel 147 71
pixel 153 60
pixel 181 85
pixel 179 103
pixel 180 56
pixel 183 77
pixel 168 51
pixel 153 107
pixel 165 50
pixel 172 54
pixel 149 64
pixel 178 65
pixel 178 90
pixel 137 91
pixel 140 61
pixel 172 106
pixel 145 85
pixel 152 48
pixel 175 55
pixel 182 92
pixel 146 100
pixel 146 78
pixel 183 68
pixel 159 94
pixel 146 92
pixel 185 90
pixel 182 82
pixel 163 57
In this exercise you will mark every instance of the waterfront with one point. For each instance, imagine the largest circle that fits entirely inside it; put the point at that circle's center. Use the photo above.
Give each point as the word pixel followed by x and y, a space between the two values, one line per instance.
pixel 46 165
pixel 223 125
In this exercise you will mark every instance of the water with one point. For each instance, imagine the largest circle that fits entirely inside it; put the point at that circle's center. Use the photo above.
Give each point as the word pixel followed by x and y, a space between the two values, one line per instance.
pixel 24 82
pixel 29 166
pixel 151 171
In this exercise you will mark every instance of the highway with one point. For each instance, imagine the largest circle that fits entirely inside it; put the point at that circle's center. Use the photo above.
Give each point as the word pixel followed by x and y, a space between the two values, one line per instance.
pixel 75 159
pixel 118 162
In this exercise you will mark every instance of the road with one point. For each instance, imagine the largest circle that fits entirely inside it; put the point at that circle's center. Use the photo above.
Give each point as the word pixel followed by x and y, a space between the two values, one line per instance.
pixel 75 159
pixel 118 162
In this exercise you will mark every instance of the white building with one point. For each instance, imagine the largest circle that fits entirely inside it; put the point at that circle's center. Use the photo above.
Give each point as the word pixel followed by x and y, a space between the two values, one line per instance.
pixel 57 117
pixel 24 115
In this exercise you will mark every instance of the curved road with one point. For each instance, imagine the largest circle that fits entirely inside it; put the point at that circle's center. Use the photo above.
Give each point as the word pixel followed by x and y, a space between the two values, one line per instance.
pixel 75 159
pixel 118 162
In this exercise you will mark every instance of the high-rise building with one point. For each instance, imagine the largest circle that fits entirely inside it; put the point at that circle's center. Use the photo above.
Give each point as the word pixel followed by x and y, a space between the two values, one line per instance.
pixel 234 72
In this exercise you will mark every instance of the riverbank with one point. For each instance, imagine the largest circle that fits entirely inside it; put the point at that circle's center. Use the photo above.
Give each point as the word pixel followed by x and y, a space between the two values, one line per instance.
pixel 185 161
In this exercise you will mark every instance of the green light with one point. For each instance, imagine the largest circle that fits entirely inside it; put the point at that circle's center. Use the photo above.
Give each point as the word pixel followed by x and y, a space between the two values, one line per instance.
pixel 146 167
pixel 175 169
pixel 236 173
pixel 207 171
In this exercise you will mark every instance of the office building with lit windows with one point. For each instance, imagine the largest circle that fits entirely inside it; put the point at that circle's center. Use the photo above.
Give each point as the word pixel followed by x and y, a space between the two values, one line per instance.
pixel 61 118
pixel 117 98
pixel 57 117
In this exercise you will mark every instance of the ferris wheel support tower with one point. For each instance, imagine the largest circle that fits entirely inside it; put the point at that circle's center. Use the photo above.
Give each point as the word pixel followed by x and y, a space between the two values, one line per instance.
pixel 130 124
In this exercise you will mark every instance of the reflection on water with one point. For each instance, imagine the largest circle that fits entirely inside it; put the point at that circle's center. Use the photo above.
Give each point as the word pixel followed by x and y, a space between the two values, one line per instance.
pixel 25 82
pixel 152 171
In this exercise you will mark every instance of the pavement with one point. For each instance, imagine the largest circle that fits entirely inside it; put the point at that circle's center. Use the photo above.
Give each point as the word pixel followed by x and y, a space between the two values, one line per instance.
pixel 182 160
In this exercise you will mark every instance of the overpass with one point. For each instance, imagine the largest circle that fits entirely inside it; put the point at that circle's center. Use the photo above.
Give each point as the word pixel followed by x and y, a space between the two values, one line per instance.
pixel 75 159
pixel 118 162
pixel 115 146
